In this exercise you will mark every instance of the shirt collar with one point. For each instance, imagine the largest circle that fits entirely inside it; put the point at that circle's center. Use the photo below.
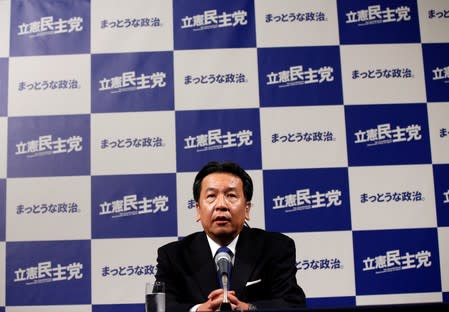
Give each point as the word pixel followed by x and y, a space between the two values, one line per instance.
pixel 214 246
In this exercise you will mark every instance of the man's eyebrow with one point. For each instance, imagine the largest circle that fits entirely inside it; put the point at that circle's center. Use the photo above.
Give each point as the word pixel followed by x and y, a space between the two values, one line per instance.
pixel 211 188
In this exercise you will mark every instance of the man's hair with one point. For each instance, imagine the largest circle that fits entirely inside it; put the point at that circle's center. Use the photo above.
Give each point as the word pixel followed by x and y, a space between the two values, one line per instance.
pixel 224 167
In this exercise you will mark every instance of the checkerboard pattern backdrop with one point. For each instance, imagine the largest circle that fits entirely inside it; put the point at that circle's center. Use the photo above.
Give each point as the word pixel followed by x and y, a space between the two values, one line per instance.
pixel 338 109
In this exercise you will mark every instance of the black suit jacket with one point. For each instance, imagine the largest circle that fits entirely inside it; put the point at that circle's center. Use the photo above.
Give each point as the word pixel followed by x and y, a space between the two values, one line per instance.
pixel 265 258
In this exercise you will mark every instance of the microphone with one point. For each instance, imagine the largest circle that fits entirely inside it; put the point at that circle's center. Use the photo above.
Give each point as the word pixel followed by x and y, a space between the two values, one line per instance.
pixel 224 264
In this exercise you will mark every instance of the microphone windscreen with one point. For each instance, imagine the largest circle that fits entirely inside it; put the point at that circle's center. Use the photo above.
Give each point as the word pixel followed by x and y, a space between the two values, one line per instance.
pixel 223 262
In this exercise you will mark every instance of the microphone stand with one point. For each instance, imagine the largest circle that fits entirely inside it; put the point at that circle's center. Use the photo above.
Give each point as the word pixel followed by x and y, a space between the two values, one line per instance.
pixel 225 305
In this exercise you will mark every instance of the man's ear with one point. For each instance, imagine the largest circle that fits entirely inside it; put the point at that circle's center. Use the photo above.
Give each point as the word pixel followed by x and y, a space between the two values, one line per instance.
pixel 197 208
pixel 247 209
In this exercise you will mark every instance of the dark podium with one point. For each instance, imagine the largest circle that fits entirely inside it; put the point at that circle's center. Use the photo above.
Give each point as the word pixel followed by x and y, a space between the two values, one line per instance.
pixel 415 307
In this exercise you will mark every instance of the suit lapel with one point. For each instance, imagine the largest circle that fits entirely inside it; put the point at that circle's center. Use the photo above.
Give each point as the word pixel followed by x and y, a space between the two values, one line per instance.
pixel 247 254
pixel 203 265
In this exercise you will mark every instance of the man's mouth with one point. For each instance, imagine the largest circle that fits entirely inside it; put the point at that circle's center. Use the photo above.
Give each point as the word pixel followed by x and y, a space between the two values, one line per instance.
pixel 221 220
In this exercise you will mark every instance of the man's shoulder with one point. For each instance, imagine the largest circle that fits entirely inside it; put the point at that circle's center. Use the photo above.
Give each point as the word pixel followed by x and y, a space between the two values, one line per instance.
pixel 256 233
pixel 184 242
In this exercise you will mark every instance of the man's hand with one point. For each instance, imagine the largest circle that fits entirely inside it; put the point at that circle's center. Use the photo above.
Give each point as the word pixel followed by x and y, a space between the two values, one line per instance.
pixel 215 299
pixel 213 302
pixel 236 304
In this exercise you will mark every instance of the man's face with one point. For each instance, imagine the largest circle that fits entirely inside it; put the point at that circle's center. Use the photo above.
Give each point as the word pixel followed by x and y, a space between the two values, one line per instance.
pixel 222 207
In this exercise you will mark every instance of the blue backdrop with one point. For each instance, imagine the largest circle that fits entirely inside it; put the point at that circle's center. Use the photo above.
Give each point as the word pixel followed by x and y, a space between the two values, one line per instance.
pixel 338 109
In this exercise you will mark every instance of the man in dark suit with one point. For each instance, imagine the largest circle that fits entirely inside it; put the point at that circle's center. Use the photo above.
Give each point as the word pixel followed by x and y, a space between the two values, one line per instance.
pixel 263 274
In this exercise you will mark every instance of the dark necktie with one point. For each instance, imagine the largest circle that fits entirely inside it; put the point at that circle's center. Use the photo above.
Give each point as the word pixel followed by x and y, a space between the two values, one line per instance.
pixel 229 252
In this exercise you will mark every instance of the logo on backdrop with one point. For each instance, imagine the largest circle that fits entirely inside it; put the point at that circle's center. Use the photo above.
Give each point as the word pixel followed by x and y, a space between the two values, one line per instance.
pixel 303 199
pixel 49 146
pixel 43 85
pixel 307 200
pixel 290 17
pixel 379 73
pixel 129 270
pixel 49 25
pixel 46 272
pixel 53 269
pixel 394 260
pixel 129 81
pixel 211 19
pixel 50 28
pixel 217 134
pixel 441 183
pixel 375 14
pixel 401 139
pixel 386 197
pixel 211 25
pixel 131 22
pixel 45 145
pixel 446 197
pixel 131 205
pixel 48 208
pixel 439 13
pixel 379 22
pixel 319 264
pixel 222 78
pixel 146 142
pixel 384 134
pixel 285 79
pixel 139 205
pixel 444 132
pixel 191 203
pixel 297 75
pixel 441 74
pixel 214 139
pixel 436 70
pixel 296 137
pixel 140 81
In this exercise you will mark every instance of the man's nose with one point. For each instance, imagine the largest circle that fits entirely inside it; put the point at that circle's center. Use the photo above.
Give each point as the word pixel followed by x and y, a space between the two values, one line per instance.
pixel 221 203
